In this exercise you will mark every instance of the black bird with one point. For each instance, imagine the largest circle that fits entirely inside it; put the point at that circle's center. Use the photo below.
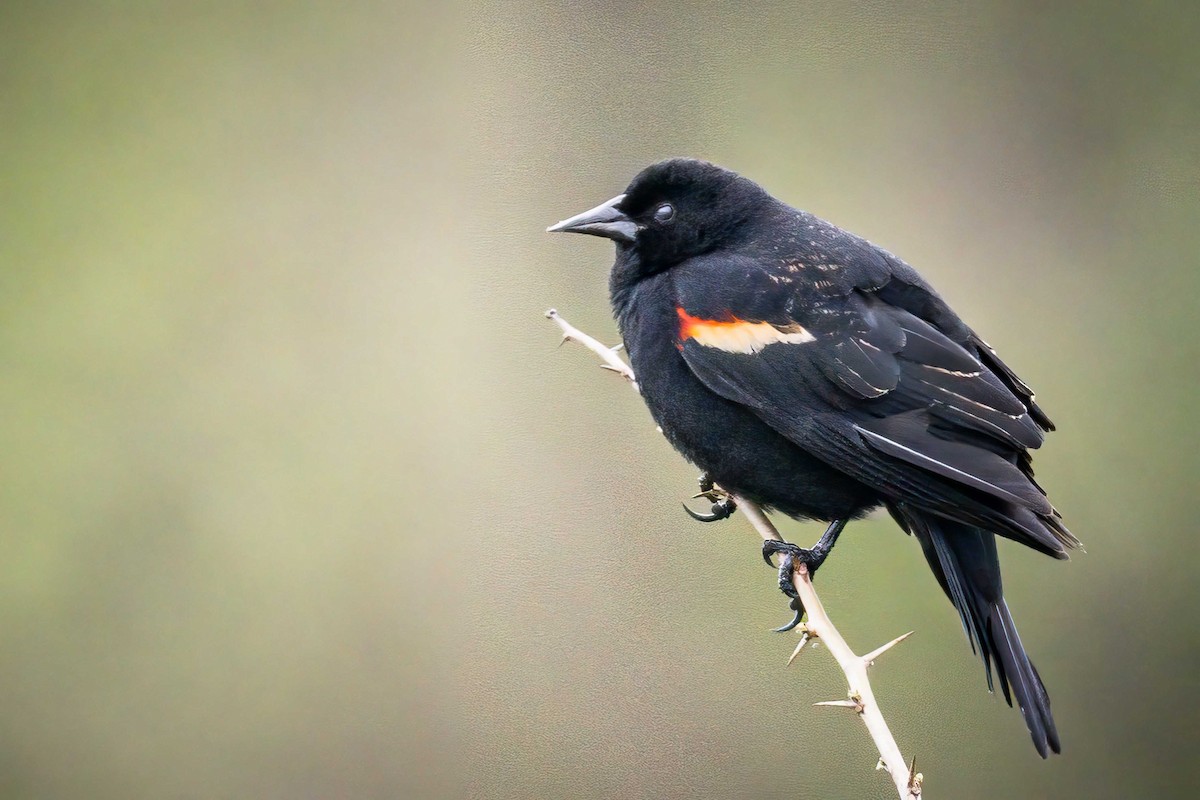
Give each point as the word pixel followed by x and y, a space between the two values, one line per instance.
pixel 805 369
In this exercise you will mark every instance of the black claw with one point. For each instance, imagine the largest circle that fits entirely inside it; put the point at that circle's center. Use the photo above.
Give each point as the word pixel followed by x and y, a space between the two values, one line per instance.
pixel 722 505
pixel 799 609
pixel 772 546
pixel 722 509
pixel 698 516
pixel 792 555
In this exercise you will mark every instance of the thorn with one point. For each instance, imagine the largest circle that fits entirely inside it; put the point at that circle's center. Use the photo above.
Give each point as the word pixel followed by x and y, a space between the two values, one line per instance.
pixel 611 368
pixel 879 765
pixel 838 704
pixel 869 658
pixel 804 637
pixel 915 779
pixel 617 346
pixel 854 701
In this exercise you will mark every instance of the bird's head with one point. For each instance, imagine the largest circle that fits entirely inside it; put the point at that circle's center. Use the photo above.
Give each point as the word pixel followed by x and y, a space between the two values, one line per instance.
pixel 672 211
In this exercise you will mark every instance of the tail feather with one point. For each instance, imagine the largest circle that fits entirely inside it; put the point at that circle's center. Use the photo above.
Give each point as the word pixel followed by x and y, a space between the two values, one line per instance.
pixel 966 564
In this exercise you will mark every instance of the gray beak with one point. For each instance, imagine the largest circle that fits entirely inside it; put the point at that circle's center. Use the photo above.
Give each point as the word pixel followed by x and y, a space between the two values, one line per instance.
pixel 604 220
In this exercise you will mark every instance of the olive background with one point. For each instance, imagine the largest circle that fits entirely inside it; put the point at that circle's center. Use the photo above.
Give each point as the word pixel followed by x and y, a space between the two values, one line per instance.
pixel 298 498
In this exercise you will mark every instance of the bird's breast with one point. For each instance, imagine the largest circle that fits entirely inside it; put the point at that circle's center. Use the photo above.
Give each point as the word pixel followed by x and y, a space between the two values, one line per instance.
pixel 724 438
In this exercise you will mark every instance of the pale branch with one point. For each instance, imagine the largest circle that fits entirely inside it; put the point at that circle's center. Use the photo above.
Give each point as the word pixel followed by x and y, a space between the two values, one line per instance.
pixel 860 697
pixel 612 361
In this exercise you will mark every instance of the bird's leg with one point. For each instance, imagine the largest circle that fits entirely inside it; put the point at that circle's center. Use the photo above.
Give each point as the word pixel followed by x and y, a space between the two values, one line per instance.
pixel 792 555
pixel 722 504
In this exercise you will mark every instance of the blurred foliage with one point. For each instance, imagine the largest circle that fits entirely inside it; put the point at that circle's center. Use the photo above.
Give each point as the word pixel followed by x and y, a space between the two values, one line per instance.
pixel 299 499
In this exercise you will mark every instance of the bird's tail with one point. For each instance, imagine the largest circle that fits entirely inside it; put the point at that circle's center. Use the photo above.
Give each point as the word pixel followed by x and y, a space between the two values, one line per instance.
pixel 965 562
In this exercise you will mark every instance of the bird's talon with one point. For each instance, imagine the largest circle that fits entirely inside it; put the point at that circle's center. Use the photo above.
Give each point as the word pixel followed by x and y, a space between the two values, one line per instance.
pixel 722 504
pixel 799 609
pixel 721 509
pixel 791 555
pixel 773 546
pixel 790 626
pixel 767 552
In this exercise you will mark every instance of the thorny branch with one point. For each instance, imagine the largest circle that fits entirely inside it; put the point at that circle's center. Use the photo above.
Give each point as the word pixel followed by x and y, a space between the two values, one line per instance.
pixel 860 697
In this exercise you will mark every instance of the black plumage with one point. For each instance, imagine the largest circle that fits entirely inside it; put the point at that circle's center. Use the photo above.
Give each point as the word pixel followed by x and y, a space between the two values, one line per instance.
pixel 806 369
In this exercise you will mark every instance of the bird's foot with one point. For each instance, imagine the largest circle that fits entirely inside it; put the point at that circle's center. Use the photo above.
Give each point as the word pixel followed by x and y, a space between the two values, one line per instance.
pixel 793 555
pixel 723 505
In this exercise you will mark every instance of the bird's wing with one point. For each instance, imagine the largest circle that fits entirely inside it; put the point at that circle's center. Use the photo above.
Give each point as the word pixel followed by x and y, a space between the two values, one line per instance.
pixel 854 367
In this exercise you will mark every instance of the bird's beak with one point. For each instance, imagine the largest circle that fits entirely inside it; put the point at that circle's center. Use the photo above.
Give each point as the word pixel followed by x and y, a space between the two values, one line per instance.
pixel 604 220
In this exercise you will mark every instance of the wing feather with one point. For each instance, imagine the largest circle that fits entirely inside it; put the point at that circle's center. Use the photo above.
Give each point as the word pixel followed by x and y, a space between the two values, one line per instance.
pixel 891 388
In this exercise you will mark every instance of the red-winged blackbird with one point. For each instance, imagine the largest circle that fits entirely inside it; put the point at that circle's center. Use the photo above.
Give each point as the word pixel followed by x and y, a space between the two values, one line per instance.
pixel 807 370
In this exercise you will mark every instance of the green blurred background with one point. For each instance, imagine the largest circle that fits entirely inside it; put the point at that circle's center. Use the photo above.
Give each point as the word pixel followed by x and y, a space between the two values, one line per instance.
pixel 299 499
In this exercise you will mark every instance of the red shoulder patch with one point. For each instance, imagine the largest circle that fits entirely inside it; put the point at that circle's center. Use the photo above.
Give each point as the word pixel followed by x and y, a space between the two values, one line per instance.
pixel 735 335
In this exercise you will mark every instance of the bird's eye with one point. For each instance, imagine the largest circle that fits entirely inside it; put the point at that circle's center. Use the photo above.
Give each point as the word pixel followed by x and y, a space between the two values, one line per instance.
pixel 664 213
